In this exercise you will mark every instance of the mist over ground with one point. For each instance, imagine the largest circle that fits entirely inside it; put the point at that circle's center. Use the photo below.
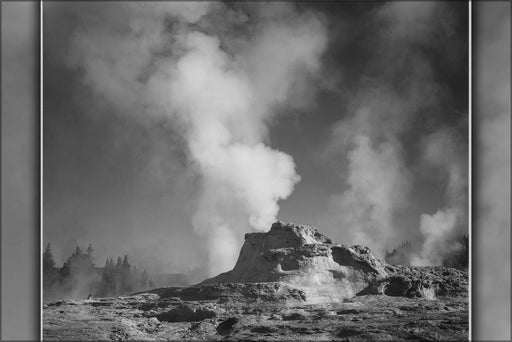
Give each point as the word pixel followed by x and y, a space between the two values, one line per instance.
pixel 172 129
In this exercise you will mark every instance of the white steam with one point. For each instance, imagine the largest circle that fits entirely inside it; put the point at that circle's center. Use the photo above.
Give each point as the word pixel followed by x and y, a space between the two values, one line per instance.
pixel 439 229
pixel 435 228
pixel 219 83
pixel 396 91
pixel 377 183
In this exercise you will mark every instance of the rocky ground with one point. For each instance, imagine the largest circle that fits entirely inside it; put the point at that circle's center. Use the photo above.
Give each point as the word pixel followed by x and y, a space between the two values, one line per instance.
pixel 154 317
pixel 291 283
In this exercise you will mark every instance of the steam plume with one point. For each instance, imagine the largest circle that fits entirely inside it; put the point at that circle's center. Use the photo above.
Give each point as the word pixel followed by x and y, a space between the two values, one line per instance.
pixel 439 229
pixel 398 90
pixel 218 74
pixel 377 183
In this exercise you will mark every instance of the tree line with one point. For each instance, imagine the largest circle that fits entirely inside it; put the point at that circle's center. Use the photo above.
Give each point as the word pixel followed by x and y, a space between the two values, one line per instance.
pixel 79 278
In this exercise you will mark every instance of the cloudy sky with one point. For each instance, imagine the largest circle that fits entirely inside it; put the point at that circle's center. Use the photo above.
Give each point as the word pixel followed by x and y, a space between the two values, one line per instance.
pixel 172 129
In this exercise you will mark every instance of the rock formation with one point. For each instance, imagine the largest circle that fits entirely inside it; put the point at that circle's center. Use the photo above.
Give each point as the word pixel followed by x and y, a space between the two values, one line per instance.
pixel 302 257
pixel 291 283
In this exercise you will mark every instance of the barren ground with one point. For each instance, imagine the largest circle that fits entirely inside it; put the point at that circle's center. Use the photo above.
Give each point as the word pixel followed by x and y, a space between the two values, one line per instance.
pixel 152 317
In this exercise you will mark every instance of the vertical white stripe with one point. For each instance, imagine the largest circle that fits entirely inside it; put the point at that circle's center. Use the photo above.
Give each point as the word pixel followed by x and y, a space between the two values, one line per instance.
pixel 470 253
pixel 41 167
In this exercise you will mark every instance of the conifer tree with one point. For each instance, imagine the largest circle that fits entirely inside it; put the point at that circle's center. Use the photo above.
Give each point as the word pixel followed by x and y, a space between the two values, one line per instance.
pixel 126 276
pixel 118 282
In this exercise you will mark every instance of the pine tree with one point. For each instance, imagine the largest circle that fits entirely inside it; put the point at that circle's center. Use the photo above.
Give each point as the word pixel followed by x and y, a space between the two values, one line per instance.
pixel 118 283
pixel 126 276
pixel 125 261
pixel 103 289
pixel 78 273
pixel 108 277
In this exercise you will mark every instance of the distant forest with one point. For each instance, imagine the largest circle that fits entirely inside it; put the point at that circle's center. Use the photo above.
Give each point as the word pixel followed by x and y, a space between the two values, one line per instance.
pixel 79 278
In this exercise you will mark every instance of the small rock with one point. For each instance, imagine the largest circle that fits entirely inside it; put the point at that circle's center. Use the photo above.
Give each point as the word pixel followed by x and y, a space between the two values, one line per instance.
pixel 153 321
pixel 227 325
pixel 150 313
pixel 56 303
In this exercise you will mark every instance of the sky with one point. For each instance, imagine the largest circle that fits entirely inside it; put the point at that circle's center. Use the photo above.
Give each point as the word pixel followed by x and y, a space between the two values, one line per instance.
pixel 172 129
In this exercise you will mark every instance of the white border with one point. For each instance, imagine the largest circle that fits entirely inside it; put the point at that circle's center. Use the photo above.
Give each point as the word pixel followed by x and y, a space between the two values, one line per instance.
pixel 470 214
pixel 41 168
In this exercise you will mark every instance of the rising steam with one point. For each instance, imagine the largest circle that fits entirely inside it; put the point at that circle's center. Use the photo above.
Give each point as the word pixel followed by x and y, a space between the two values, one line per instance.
pixel 397 91
pixel 439 229
pixel 218 74
pixel 378 184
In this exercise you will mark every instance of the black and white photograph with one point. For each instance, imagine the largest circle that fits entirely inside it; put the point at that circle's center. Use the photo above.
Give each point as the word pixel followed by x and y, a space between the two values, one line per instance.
pixel 293 171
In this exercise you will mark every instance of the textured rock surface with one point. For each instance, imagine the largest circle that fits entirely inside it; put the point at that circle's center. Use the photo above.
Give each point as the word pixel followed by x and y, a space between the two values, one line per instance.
pixel 302 257
pixel 292 283
pixel 362 318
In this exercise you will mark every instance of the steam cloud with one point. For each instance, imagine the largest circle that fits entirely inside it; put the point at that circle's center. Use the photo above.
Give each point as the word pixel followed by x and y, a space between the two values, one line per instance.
pixel 377 182
pixel 439 229
pixel 399 90
pixel 218 74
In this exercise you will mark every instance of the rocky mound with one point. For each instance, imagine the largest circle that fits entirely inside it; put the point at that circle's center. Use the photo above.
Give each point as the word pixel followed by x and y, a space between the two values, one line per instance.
pixel 291 283
pixel 303 257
